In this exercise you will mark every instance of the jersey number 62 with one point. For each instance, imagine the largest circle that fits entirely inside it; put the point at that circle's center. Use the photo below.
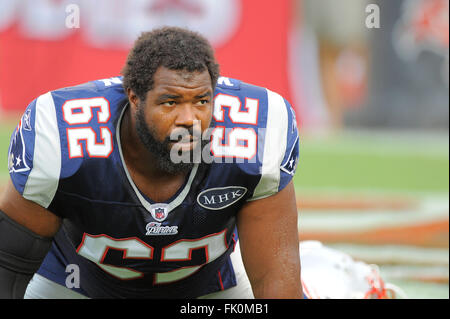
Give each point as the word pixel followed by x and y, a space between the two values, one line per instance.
pixel 78 113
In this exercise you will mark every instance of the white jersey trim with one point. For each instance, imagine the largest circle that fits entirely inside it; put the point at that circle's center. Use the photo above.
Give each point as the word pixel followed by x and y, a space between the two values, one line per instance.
pixel 275 140
pixel 43 179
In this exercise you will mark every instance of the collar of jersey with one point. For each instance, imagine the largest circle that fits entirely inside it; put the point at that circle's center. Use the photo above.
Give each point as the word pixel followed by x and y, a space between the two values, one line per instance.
pixel 174 201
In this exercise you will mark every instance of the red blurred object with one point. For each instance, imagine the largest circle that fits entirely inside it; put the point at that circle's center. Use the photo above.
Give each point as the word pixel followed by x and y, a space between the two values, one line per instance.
pixel 256 52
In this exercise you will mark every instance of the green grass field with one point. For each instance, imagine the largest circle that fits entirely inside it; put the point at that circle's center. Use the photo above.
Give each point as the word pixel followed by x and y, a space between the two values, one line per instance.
pixel 5 132
pixel 365 162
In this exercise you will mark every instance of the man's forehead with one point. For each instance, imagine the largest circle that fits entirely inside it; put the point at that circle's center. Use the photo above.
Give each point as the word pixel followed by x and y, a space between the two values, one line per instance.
pixel 165 77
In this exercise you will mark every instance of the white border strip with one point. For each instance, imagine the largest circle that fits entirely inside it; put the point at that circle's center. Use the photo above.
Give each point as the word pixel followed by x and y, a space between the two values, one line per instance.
pixel 43 180
pixel 274 146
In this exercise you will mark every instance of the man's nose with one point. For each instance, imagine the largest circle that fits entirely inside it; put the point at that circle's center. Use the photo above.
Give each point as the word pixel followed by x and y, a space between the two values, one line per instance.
pixel 186 115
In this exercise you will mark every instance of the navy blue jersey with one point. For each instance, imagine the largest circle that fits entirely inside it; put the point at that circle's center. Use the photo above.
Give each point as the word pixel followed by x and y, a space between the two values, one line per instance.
pixel 66 156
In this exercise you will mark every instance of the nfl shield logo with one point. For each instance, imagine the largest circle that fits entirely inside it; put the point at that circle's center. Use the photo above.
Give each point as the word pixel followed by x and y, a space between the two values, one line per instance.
pixel 159 212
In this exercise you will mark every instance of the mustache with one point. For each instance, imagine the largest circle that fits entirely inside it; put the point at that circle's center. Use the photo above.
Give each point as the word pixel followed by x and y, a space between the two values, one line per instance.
pixel 184 134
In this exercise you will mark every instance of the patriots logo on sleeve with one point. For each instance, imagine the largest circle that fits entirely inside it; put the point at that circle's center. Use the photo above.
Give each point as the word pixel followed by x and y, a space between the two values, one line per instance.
pixel 290 164
pixel 17 161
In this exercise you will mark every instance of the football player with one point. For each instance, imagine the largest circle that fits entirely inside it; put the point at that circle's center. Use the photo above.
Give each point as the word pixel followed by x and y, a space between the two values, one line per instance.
pixel 102 202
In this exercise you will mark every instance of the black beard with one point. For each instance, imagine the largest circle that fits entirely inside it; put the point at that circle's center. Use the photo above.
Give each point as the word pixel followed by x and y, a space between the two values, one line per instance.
pixel 160 150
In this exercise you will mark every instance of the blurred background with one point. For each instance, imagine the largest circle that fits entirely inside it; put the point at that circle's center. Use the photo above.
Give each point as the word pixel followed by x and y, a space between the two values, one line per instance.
pixel 368 80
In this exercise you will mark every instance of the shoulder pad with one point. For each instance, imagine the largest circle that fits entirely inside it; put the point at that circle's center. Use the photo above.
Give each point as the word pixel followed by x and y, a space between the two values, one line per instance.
pixel 256 129
pixel 34 157
pixel 45 147
pixel 228 83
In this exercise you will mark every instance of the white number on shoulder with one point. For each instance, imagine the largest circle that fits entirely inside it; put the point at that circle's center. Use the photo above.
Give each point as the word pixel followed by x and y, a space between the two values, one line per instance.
pixel 81 111
pixel 240 142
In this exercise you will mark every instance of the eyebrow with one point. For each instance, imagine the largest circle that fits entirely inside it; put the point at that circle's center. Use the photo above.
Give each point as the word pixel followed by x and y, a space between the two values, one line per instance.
pixel 168 96
pixel 207 94
pixel 164 97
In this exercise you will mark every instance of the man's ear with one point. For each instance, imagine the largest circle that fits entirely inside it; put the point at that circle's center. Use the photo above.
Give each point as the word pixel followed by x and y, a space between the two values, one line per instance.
pixel 132 97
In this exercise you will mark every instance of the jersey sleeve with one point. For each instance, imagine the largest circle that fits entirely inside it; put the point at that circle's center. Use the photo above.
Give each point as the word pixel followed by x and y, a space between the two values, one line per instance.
pixel 34 155
pixel 280 147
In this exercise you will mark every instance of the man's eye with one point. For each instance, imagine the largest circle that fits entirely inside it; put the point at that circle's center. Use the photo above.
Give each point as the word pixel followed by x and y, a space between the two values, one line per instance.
pixel 168 103
pixel 203 102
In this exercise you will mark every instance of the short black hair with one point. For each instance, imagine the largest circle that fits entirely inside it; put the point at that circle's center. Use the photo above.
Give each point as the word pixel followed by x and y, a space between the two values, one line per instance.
pixel 172 47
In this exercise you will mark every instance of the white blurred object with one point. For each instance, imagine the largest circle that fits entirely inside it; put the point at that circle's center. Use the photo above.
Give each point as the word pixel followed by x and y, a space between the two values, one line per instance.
pixel 331 274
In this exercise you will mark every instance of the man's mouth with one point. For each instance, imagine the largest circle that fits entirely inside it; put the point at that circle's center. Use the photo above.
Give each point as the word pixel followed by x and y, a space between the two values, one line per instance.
pixel 185 139
pixel 185 143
